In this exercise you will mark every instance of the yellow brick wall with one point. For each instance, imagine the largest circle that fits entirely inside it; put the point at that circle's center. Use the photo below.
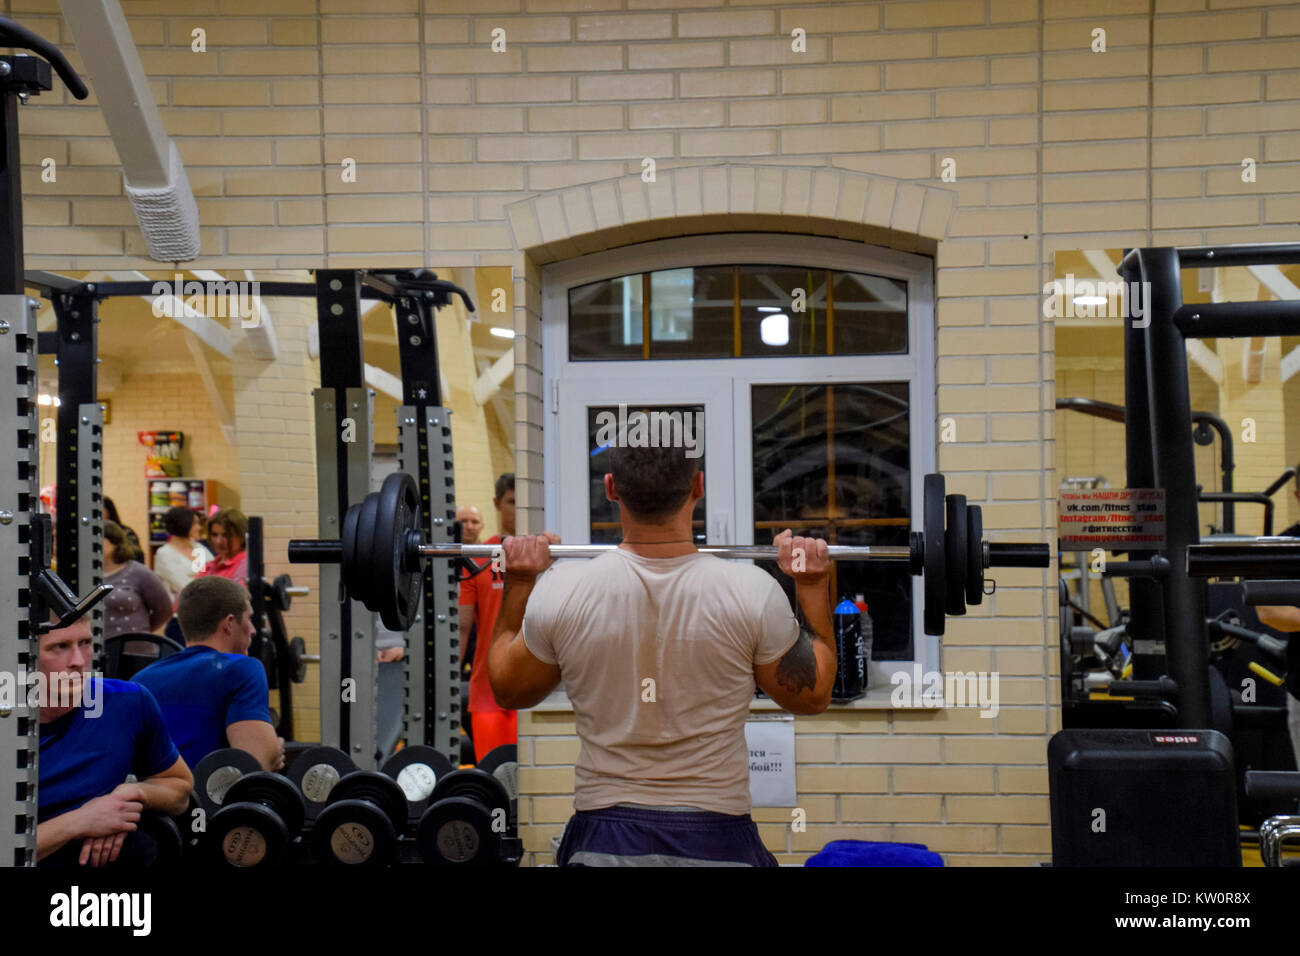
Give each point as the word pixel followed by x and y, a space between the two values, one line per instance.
pixel 1051 151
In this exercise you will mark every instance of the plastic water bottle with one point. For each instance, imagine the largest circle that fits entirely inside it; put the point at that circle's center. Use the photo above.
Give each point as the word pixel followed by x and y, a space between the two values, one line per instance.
pixel 868 639
pixel 850 675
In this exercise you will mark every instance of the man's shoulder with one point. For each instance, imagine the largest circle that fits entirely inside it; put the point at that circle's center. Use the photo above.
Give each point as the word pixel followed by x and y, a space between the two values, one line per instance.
pixel 242 667
pixel 746 575
pixel 119 694
pixel 109 686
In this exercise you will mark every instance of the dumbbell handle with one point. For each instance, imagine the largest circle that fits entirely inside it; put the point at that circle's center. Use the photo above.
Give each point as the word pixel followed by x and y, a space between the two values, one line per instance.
pixel 298 590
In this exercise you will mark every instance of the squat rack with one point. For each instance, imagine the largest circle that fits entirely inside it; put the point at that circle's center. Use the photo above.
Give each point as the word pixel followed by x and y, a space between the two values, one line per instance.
pixel 344 449
pixel 1168 602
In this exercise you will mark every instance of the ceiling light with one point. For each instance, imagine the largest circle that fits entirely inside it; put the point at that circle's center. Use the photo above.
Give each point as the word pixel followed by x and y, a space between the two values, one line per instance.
pixel 502 333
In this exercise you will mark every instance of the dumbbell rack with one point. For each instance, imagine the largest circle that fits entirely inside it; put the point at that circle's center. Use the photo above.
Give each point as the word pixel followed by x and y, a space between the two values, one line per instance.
pixel 314 789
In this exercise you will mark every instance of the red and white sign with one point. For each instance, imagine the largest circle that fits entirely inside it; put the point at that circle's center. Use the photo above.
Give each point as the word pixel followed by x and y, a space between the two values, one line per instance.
pixel 1112 518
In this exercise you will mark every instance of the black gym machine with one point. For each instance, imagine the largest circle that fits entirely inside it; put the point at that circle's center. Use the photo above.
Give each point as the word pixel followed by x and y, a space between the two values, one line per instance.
pixel 1096 653
pixel 1170 787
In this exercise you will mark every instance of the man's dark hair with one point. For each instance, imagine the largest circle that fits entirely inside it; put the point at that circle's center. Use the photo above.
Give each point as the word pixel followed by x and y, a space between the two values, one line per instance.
pixel 178 521
pixel 505 483
pixel 652 483
pixel 205 602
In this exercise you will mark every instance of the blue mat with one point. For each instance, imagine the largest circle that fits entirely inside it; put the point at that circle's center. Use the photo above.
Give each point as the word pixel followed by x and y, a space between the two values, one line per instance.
pixel 863 853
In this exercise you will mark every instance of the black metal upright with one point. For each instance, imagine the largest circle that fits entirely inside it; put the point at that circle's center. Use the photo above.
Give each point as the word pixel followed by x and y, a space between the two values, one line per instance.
pixel 417 342
pixel 11 199
pixel 78 346
pixel 342 367
pixel 1168 401
pixel 1146 619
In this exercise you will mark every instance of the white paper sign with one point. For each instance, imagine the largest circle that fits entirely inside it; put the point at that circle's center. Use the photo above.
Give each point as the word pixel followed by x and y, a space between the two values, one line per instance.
pixel 771 760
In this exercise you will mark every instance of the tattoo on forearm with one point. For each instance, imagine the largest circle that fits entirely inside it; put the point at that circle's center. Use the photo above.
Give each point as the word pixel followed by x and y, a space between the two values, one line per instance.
pixel 797 671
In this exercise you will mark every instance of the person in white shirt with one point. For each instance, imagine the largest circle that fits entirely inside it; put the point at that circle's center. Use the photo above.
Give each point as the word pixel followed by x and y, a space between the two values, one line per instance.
pixel 182 558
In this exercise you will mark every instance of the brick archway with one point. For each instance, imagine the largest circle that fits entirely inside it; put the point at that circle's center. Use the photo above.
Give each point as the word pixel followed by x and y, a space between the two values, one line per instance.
pixel 690 200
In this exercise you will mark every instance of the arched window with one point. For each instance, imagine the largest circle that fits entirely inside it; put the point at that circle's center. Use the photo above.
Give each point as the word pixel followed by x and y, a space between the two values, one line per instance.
pixel 809 364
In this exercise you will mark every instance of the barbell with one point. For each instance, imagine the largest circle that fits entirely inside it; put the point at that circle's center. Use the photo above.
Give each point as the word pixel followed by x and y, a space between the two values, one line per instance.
pixel 382 552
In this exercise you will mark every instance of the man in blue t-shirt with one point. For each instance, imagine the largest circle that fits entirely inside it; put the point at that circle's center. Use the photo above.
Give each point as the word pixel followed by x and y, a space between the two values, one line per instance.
pixel 213 694
pixel 94 732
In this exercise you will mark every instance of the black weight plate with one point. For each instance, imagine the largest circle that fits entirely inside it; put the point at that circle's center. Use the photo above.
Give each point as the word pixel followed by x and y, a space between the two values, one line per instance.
pixel 315 772
pixel 349 559
pixel 354 833
pixel 163 831
pixel 280 591
pixel 273 791
pixel 458 831
pixel 396 590
pixel 217 771
pixel 974 555
pixel 246 834
pixel 376 788
pixel 297 664
pixel 410 566
pixel 954 552
pixel 417 770
pixel 362 586
pixel 503 763
pixel 935 574
pixel 474 784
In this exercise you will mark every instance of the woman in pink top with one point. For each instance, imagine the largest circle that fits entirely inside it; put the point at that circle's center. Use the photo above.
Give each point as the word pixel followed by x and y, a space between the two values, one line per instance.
pixel 228 530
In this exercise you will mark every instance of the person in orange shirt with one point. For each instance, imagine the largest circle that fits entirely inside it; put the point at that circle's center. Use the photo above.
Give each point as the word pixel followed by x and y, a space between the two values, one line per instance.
pixel 480 601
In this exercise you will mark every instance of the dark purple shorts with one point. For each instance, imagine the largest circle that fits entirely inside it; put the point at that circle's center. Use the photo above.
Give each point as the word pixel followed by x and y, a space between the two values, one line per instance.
pixel 628 836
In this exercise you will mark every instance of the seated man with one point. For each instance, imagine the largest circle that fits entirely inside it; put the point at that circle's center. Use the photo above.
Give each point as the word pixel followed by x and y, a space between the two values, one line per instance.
pixel 94 732
pixel 213 694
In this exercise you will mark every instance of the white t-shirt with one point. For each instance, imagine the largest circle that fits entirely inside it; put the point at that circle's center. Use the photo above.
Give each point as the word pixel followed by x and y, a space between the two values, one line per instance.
pixel 695 625
pixel 177 568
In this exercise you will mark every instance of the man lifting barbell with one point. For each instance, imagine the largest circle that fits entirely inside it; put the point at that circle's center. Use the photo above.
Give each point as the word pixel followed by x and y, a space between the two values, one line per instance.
pixel 660 648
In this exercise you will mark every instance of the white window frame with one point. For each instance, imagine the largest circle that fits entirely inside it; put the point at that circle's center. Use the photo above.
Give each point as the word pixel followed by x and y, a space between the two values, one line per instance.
pixel 916 367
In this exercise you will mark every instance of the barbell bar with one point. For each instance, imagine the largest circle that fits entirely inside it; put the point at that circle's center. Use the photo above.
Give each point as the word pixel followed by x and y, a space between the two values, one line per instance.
pixel 382 552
